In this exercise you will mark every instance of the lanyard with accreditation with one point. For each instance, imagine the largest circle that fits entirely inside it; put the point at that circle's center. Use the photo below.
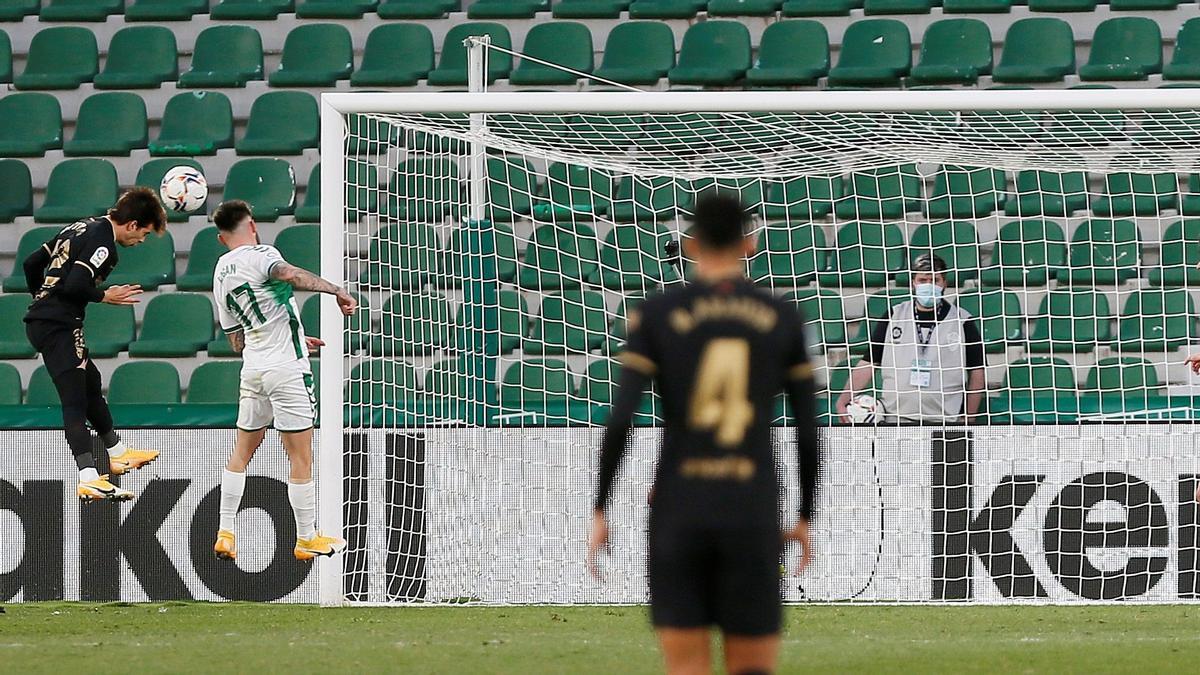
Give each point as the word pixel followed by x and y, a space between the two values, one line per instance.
pixel 921 373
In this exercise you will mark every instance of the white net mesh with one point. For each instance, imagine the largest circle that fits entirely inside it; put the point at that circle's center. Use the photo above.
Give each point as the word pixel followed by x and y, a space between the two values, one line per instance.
pixel 481 367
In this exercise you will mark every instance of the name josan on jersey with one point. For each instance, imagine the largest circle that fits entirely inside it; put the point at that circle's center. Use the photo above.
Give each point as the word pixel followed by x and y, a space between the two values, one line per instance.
pixel 264 308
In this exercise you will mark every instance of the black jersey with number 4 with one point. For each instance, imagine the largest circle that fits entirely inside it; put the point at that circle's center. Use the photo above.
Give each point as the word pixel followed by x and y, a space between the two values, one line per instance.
pixel 719 354
pixel 85 249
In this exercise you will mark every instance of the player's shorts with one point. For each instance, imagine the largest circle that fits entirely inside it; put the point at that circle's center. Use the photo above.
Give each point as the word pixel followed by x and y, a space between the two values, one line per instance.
pixel 724 577
pixel 62 346
pixel 284 396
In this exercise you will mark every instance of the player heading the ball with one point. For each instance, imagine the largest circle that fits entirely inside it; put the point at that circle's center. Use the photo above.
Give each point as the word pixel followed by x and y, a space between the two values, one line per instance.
pixel 719 351
pixel 64 275
pixel 253 285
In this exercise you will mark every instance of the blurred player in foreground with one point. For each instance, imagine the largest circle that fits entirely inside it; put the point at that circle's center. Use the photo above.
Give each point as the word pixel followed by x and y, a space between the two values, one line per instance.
pixel 718 350
pixel 64 275
pixel 253 286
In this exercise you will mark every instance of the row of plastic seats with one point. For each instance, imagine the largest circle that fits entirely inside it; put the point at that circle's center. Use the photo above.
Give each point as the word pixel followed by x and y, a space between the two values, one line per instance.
pixel 253 10
pixel 137 382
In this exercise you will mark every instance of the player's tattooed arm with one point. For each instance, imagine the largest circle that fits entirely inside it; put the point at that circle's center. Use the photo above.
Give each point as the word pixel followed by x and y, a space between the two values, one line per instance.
pixel 237 340
pixel 303 280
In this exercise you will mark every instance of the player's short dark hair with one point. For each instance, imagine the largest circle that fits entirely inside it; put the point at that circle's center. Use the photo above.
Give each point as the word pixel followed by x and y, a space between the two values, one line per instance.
pixel 230 214
pixel 719 220
pixel 140 204
pixel 929 262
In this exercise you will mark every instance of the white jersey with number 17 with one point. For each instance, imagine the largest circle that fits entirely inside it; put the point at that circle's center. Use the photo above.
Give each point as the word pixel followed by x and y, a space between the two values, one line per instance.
pixel 248 298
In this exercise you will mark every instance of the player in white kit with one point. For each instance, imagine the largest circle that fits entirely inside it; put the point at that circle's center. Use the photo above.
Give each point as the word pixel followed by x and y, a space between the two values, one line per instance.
pixel 253 285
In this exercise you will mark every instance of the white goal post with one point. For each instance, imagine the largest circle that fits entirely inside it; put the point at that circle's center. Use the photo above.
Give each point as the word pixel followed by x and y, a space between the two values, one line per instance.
pixel 497 239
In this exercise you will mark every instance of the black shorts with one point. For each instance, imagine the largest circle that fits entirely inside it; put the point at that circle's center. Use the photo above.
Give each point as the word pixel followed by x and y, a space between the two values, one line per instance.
pixel 61 345
pixel 724 577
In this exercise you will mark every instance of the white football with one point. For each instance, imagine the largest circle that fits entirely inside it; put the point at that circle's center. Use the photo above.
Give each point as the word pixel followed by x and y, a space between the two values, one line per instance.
pixel 864 409
pixel 183 189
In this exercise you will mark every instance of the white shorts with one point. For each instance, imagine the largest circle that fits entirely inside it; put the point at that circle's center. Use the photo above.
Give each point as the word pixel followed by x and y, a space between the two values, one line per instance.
pixel 285 396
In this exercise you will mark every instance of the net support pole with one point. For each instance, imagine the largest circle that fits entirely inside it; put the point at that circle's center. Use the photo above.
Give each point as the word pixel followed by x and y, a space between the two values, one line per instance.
pixel 480 288
pixel 333 326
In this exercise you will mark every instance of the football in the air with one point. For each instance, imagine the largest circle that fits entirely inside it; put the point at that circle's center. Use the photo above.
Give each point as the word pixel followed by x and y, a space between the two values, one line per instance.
pixel 183 189
pixel 864 409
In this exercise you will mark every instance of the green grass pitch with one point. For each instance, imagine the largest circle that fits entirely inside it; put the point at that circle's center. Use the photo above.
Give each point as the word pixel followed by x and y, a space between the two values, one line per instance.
pixel 261 638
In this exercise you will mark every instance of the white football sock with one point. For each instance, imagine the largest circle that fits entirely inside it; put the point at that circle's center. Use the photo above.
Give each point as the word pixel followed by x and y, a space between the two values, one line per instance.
pixel 117 450
pixel 303 497
pixel 88 474
pixel 232 486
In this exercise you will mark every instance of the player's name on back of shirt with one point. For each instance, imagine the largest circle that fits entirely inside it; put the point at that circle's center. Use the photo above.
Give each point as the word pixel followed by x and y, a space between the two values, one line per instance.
pixel 742 308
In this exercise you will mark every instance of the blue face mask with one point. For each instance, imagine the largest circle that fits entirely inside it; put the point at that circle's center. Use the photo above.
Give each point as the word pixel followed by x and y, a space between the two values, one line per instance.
pixel 927 295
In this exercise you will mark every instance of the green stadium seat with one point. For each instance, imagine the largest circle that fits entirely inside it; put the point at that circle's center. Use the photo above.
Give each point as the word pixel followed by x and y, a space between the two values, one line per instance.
pixel 281 123
pixel 78 188
pixel 791 53
pixel 108 329
pixel 310 210
pixel 748 190
pixel 617 330
pixel 201 261
pixel 310 315
pixel 406 255
pixel 225 56
pixel 80 10
pixel 1156 320
pixel 1046 193
pixel 1189 203
pixel 195 123
pixel 744 7
pixel 1137 194
pixel 560 255
pixel 15 10
pixel 16 190
pixel 637 52
pixel 531 384
pixel 451 70
pixel 1185 59
pixel 1122 380
pixel 803 199
pixel 824 317
pixel 267 183
pixel 819 7
pixel 875 52
pixel 1040 49
pixel 1071 321
pixel 713 53
pixel 30 124
pixel 1062 5
pixel 417 9
pixel 149 264
pixel 881 194
pixel 955 242
pixel 263 10
pixel 13 343
pixel 789 254
pixel 300 245
pixel 1027 253
pixel 966 192
pixel 6 58
pixel 879 308
pixel 315 55
pixel 649 199
pixel 151 175
pixel 139 57
pixel 598 384
pixel 565 43
pixel 175 325
pixel 1045 375
pixel 1142 5
pixel 42 391
pixel 589 9
pixel 573 191
pixel 513 322
pixel 999 314
pixel 1103 252
pixel 215 382
pixel 29 242
pixel 111 123
pixel 1124 48
pixel 414 324
pixel 165 10
pixel 512 185
pixel 954 51
pixel 464 239
pixel 144 382
pixel 632 257
pixel 874 7
pixel 358 325
pixel 62 57
pixel 385 381
pixel 396 55
pixel 574 321
pixel 423 189
pixel 1179 255
pixel 666 9
pixel 448 379
pixel 506 9
pixel 334 9
pixel 866 255
pixel 10 385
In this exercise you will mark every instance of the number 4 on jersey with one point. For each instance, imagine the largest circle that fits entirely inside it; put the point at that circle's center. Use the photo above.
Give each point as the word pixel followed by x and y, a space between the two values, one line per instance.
pixel 719 398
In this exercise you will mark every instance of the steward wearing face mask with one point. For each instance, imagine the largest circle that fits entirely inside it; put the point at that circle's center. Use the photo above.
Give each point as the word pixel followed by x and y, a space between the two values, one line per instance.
pixel 930 353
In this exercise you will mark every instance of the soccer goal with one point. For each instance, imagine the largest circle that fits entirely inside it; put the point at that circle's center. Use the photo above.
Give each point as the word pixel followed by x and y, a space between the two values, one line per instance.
pixel 498 240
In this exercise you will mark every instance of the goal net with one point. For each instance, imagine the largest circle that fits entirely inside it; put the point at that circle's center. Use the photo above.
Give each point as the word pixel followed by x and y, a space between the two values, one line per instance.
pixel 498 241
